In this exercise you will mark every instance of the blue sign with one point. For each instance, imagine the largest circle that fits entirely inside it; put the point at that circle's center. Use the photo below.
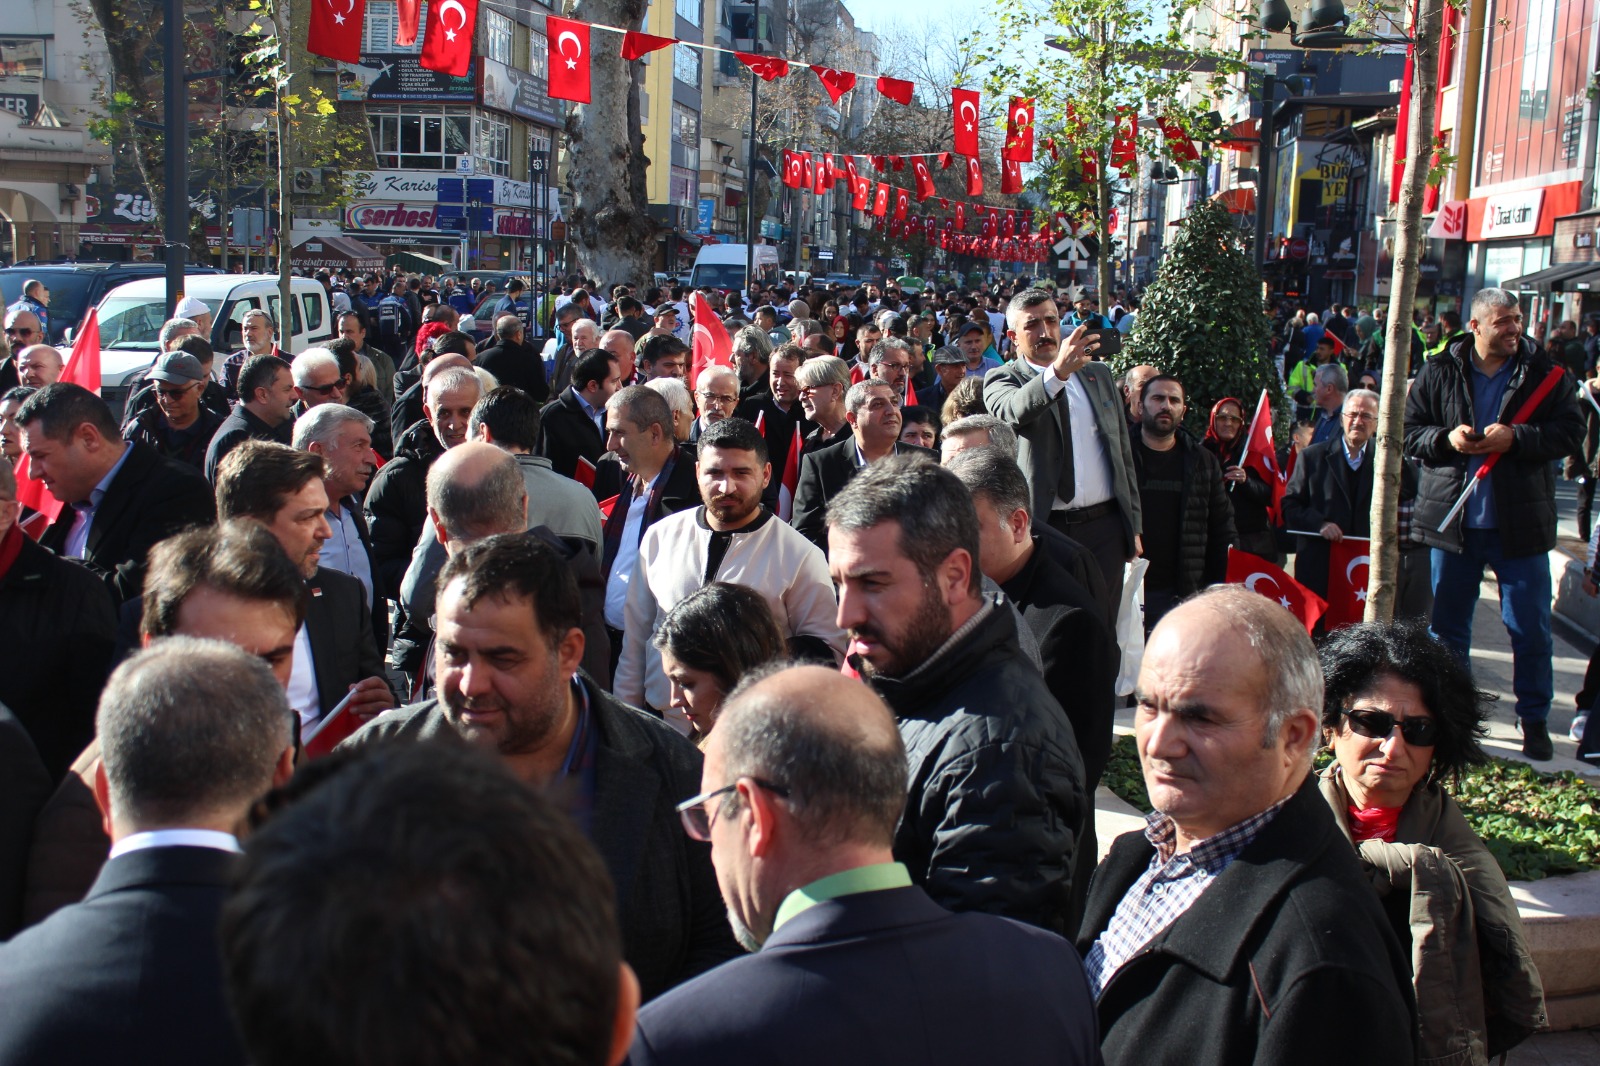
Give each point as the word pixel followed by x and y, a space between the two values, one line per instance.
pixel 708 210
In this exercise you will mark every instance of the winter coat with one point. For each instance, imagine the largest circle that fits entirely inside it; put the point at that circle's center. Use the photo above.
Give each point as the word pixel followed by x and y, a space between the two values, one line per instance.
pixel 1523 481
pixel 397 502
pixel 997 788
pixel 1208 529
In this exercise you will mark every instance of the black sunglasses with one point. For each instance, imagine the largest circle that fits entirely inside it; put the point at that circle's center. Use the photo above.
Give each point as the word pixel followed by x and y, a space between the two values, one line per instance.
pixel 173 394
pixel 13 331
pixel 324 390
pixel 1417 731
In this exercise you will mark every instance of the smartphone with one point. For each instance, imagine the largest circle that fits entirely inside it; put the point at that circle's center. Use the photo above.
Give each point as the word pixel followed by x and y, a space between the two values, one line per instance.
pixel 1110 341
pixel 1474 435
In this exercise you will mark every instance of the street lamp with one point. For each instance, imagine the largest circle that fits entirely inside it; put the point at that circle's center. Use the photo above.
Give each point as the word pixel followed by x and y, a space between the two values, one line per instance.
pixel 1322 25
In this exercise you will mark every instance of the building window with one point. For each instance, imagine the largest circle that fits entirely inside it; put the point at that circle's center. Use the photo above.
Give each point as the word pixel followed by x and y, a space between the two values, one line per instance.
pixel 493 146
pixel 418 137
pixel 686 64
pixel 685 186
pixel 1538 51
pixel 497 31
pixel 689 11
pixel 685 126
pixel 538 55
pixel 378 32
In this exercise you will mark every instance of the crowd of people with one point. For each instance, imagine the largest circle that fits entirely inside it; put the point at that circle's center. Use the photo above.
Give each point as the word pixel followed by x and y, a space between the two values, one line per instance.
pixel 513 692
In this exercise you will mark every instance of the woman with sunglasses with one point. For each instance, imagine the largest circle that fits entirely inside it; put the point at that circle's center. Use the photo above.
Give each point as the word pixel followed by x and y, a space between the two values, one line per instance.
pixel 1250 495
pixel 1403 718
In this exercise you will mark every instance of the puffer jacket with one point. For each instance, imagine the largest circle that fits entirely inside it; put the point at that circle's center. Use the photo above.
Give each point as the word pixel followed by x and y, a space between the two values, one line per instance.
pixel 1523 481
pixel 1208 528
pixel 997 796
pixel 397 501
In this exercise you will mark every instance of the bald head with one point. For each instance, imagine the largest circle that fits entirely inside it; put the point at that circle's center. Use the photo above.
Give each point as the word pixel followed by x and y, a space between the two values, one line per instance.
pixel 1133 382
pixel 440 363
pixel 620 343
pixel 38 366
pixel 475 490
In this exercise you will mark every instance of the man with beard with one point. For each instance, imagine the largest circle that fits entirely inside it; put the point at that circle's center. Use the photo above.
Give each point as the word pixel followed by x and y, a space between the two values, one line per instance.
pixel 1181 490
pixel 509 642
pixel 997 794
pixel 731 537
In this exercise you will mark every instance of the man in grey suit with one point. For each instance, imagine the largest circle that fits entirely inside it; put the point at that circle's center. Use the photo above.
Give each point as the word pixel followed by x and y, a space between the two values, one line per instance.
pixel 1072 433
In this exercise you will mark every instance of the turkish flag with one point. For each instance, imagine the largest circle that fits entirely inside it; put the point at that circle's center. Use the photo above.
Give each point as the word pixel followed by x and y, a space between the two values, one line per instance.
pixel 808 172
pixel 974 176
pixel 850 172
pixel 636 45
pixel 861 192
pixel 880 200
pixel 1259 575
pixel 1055 153
pixel 338 724
pixel 896 89
pixel 1010 176
pixel 822 179
pixel 792 172
pixel 1262 457
pixel 709 342
pixel 1349 574
pixel 406 26
pixel 1339 346
pixel 835 82
pixel 447 41
pixel 896 163
pixel 83 365
pixel 902 203
pixel 789 482
pixel 1124 143
pixel 1019 130
pixel 919 169
pixel 568 42
pixel 829 169
pixel 767 68
pixel 336 29
pixel 961 216
pixel 1178 142
pixel 584 475
pixel 1009 226
pixel 964 105
pixel 1089 163
pixel 894 227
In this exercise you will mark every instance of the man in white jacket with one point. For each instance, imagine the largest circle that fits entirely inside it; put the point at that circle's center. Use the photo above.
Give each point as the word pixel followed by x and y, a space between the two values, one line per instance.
pixel 731 537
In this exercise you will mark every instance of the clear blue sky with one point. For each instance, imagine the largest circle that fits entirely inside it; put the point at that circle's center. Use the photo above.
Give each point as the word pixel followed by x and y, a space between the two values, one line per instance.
pixel 877 15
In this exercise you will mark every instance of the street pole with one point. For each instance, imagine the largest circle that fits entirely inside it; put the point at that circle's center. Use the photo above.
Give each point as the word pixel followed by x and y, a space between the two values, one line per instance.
pixel 175 226
pixel 750 166
pixel 285 184
pixel 1268 148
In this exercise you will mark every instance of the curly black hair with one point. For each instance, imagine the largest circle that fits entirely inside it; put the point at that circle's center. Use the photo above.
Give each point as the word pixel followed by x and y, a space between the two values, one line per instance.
pixel 1355 657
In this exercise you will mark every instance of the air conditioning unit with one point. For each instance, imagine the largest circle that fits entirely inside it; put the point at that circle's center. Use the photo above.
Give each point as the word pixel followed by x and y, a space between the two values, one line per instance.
pixel 308 179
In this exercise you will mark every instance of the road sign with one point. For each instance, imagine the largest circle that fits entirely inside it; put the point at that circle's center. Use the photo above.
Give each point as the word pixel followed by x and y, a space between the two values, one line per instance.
pixel 1299 248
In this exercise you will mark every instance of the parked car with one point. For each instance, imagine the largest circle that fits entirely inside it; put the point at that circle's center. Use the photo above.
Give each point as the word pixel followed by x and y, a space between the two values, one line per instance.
pixel 76 287
pixel 483 316
pixel 131 317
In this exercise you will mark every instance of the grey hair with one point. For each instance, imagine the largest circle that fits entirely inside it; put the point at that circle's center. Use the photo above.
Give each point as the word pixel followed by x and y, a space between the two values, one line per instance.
pixel 454 378
pixel 718 371
pixel 1487 300
pixel 887 345
pixel 930 503
pixel 1002 436
pixel 752 339
pixel 990 473
pixel 310 360
pixel 495 503
pixel 1332 374
pixel 190 728
pixel 675 392
pixel 844 784
pixel 1288 659
pixel 173 326
pixel 1360 394
pixel 643 407
pixel 256 312
pixel 857 397
pixel 1025 299
pixel 822 370
pixel 318 425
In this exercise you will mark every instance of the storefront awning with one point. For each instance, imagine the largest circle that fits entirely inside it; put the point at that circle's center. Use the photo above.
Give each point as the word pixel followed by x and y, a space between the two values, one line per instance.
pixel 1237 201
pixel 416 262
pixel 1586 280
pixel 1551 279
pixel 336 252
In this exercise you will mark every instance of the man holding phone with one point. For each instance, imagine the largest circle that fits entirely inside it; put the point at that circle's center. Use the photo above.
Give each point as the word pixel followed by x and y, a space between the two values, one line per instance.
pixel 1073 444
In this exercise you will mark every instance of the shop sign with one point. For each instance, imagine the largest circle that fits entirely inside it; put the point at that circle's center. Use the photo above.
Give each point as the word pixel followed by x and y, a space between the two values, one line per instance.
pixel 402 77
pixel 367 215
pixel 1512 214
pixel 416 185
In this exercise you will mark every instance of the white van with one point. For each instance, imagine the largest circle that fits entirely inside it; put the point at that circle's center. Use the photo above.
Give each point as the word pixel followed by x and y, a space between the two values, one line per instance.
pixel 131 317
pixel 721 266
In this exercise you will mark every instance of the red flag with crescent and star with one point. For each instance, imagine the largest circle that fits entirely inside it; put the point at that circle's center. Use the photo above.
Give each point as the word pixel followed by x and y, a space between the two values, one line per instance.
pixel 1260 576
pixel 902 203
pixel 336 29
pixel 919 170
pixel 1262 457
pixel 1349 574
pixel 964 107
pixel 709 340
pixel 447 41
pixel 835 82
pixel 636 45
pixel 793 175
pixel 1179 145
pixel 1010 176
pixel 1019 131
pixel 569 58
pixel 880 200
pixel 767 68
pixel 897 89
pixel 974 176
pixel 860 192
pixel 409 20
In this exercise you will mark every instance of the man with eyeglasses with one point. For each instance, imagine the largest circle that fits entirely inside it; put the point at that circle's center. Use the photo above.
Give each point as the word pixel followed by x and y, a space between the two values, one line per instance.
pixel 890 361
pixel 804 781
pixel 22 331
pixel 177 426
pixel 509 633
pixel 317 379
pixel 716 395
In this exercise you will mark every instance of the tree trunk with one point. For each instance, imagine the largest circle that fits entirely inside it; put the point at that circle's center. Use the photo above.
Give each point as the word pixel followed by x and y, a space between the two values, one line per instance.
pixel 1102 210
pixel 610 226
pixel 1384 565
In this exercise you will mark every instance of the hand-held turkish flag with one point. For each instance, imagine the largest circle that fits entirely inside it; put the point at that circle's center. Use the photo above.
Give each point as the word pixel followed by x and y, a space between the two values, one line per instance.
pixel 568 43
pixel 447 41
pixel 790 481
pixel 1349 572
pixel 880 200
pixel 83 365
pixel 710 344
pixel 1262 457
pixel 974 176
pixel 1019 130
pixel 1178 142
pixel 1010 176
pixel 896 89
pixel 834 82
pixel 1258 575
pixel 636 45
pixel 1524 412
pixel 336 29
pixel 407 24
pixel 584 474
pixel 920 171
pixel 964 105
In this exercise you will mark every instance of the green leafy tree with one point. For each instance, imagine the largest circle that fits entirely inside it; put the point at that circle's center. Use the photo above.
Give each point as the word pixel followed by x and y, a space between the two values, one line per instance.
pixel 1202 321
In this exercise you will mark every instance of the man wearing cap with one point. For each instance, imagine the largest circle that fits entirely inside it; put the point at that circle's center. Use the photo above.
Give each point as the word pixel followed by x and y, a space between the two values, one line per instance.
pixel 949 368
pixel 177 426
pixel 197 311
pixel 972 340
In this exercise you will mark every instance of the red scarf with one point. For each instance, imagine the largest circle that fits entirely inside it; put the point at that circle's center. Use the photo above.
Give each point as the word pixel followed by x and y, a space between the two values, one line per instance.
pixel 10 548
pixel 1377 823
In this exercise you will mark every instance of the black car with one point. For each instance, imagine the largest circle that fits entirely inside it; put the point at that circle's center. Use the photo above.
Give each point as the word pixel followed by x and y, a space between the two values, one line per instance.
pixel 76 287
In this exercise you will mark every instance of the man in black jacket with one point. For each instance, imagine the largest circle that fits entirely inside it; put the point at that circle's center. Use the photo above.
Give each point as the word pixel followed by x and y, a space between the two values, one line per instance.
pixel 513 361
pixel 997 796
pixel 265 411
pixel 1459 413
pixel 1188 519
pixel 192 732
pixel 509 644
pixel 122 497
pixel 1223 931
pixel 572 427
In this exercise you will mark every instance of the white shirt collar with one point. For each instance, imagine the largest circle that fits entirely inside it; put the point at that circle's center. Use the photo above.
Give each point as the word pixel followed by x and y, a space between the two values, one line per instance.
pixel 174 838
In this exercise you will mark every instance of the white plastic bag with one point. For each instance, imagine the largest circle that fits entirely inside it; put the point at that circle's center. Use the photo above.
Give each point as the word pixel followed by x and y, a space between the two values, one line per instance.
pixel 1130 625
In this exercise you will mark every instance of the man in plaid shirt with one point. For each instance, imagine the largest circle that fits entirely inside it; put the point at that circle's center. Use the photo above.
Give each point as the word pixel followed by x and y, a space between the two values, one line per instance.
pixel 1224 931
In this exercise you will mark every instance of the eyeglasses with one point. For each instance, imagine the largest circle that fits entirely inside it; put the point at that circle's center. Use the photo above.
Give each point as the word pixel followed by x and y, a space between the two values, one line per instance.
pixel 811 390
pixel 323 390
pixel 718 398
pixel 1417 731
pixel 697 819
pixel 1229 418
pixel 173 394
